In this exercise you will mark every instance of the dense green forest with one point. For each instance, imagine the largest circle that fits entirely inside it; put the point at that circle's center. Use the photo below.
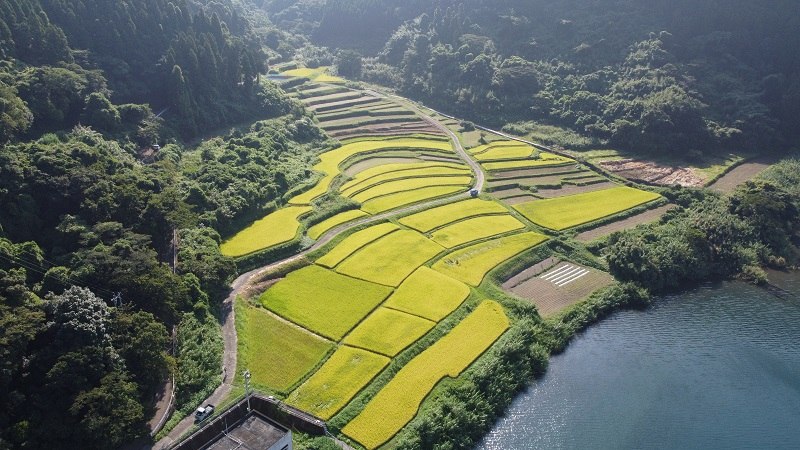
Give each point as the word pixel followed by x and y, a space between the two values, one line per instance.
pixel 660 76
pixel 88 302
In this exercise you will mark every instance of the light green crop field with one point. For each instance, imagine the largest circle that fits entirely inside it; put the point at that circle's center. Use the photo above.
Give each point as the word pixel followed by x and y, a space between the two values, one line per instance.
pixel 396 200
pixel 506 152
pixel 398 402
pixel 319 75
pixel 331 160
pixel 410 184
pixel 471 264
pixel 276 228
pixel 319 229
pixel 503 143
pixel 323 301
pixel 278 354
pixel 475 228
pixel 338 380
pixel 388 332
pixel 325 78
pixel 565 212
pixel 354 242
pixel 354 186
pixel 545 160
pixel 429 294
pixel 390 259
pixel 427 220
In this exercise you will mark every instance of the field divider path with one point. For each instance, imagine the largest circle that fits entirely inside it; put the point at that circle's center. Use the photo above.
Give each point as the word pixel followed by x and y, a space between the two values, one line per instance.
pixel 245 280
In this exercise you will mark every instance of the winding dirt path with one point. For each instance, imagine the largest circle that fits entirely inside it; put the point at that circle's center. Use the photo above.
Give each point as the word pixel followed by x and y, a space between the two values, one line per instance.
pixel 245 280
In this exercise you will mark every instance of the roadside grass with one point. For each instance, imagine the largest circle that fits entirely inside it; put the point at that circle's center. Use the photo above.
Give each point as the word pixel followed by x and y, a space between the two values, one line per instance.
pixel 409 171
pixel 471 264
pixel 277 354
pixel 388 332
pixel 475 228
pixel 396 200
pixel 390 259
pixel 323 301
pixel 275 228
pixel 340 378
pixel 430 219
pixel 429 294
pixel 568 211
pixel 331 160
pixel 321 228
pixel 545 160
pixel 398 402
pixel 410 184
pixel 354 242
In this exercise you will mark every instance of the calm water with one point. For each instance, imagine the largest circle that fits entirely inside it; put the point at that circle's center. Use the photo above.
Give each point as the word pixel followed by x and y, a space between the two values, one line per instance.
pixel 714 368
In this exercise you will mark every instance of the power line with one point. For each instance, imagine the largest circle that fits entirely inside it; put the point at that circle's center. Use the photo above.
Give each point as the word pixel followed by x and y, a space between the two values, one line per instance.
pixel 35 267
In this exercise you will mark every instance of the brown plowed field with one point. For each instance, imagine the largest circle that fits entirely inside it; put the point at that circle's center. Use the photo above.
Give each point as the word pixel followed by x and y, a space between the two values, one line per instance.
pixel 740 174
pixel 550 298
pixel 630 222
pixel 536 172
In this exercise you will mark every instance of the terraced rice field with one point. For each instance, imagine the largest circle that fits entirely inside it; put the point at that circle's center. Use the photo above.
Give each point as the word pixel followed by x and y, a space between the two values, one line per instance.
pixel 390 259
pixel 573 210
pixel 388 332
pixel 321 228
pixel 322 301
pixel 397 403
pixel 341 377
pixel 276 228
pixel 430 219
pixel 396 200
pixel 410 184
pixel 354 242
pixel 547 160
pixel 267 342
pixel 470 265
pixel 428 294
pixel 480 227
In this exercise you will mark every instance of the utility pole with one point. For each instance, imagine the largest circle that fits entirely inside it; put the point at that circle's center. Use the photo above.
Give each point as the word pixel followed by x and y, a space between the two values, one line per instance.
pixel 174 250
pixel 117 300
pixel 247 391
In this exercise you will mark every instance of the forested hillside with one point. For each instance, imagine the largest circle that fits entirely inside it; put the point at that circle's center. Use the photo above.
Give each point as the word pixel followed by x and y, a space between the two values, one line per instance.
pixel 89 205
pixel 649 76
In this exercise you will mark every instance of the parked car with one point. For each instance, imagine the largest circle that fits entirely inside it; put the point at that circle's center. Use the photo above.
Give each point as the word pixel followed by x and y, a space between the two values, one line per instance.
pixel 203 412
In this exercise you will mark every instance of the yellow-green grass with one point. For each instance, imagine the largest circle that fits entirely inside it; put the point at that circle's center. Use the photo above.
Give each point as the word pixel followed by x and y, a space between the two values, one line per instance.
pixel 396 200
pixel 388 332
pixel 390 259
pixel 323 301
pixel 506 152
pixel 427 220
pixel 411 171
pixel 277 353
pixel 545 159
pixel 354 242
pixel 471 264
pixel 319 229
pixel 572 210
pixel 410 184
pixel 429 294
pixel 330 161
pixel 475 228
pixel 342 376
pixel 398 402
pixel 276 228
pixel 325 78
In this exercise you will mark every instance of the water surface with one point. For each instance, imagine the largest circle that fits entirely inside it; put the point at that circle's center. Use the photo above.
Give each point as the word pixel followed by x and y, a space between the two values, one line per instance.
pixel 716 367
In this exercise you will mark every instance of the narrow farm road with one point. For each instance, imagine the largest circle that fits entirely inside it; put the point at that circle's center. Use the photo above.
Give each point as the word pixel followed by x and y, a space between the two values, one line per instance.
pixel 245 280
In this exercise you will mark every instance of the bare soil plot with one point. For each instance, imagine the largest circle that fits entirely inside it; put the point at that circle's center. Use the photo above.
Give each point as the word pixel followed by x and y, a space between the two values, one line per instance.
pixel 560 287
pixel 650 172
pixel 337 97
pixel 570 189
pixel 386 129
pixel 740 174
pixel 531 272
pixel 630 222
pixel 439 158
pixel 515 192
pixel 517 199
pixel 342 104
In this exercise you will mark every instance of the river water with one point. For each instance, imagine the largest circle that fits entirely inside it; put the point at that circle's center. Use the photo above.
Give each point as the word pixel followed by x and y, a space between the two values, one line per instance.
pixel 717 367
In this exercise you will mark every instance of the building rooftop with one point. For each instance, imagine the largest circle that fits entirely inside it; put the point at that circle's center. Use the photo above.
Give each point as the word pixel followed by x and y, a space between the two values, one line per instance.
pixel 253 433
